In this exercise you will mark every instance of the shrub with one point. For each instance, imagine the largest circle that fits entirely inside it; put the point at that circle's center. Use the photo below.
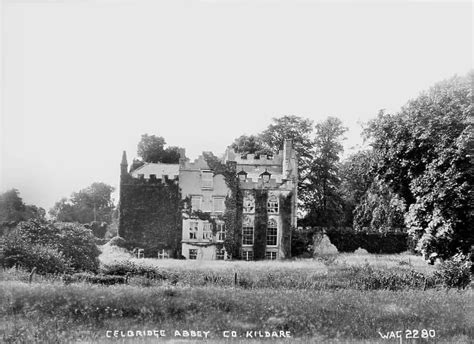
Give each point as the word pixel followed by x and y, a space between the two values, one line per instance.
pixel 98 228
pixel 118 241
pixel 50 247
pixel 455 272
pixel 348 240
pixel 367 278
pixel 78 244
pixel 127 267
pixel 97 279
pixel 16 251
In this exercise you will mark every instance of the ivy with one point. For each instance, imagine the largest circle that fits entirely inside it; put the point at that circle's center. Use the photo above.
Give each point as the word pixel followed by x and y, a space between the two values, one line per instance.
pixel 261 220
pixel 207 217
pixel 150 214
pixel 285 210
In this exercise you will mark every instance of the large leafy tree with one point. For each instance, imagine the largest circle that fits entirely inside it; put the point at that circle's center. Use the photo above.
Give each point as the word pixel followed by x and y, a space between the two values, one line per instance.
pixel 93 203
pixel 379 209
pixel 151 148
pixel 324 201
pixel 424 159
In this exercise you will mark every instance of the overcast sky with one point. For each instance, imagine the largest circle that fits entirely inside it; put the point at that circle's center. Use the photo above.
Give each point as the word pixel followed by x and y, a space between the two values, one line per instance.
pixel 83 80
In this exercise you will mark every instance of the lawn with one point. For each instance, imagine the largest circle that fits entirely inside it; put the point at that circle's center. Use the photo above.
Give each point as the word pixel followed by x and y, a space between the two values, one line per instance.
pixel 324 309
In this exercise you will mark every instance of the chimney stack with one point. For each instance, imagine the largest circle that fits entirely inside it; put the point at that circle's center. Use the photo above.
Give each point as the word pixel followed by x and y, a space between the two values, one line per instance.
pixel 124 164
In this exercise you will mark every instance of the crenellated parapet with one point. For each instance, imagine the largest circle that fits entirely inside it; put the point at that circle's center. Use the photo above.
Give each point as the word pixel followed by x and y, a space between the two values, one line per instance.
pixel 253 159
pixel 199 163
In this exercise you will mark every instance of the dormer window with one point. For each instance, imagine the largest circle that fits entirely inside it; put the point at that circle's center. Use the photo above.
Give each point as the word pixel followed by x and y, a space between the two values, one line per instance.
pixel 265 176
pixel 242 176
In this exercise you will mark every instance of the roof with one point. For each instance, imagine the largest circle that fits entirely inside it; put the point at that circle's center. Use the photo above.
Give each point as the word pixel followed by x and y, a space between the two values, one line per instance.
pixel 170 170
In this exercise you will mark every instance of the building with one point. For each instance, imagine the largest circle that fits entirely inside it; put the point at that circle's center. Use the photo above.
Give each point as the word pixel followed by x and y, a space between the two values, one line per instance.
pixel 266 190
pixel 272 178
pixel 206 193
pixel 149 203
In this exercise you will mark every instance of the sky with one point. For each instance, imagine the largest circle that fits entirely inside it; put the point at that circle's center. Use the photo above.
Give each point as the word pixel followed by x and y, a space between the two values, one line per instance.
pixel 82 80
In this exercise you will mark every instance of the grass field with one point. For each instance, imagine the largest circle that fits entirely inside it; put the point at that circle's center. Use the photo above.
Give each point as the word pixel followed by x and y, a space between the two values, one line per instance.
pixel 324 309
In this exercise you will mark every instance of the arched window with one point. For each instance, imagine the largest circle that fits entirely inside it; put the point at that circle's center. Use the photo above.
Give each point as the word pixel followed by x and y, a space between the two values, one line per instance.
pixel 272 204
pixel 247 230
pixel 272 232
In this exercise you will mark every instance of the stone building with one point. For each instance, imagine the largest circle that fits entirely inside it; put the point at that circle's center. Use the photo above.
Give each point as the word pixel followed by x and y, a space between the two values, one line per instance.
pixel 150 203
pixel 206 192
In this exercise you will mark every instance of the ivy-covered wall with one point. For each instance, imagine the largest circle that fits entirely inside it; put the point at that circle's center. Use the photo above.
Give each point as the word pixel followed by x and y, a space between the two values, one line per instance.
pixel 285 210
pixel 150 215
pixel 260 224
pixel 233 213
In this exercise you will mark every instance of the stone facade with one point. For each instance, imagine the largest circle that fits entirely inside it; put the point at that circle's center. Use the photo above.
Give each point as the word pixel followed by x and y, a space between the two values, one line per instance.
pixel 269 189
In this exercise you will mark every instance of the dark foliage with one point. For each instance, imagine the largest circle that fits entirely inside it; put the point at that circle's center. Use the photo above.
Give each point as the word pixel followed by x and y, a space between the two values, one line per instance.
pixel 150 216
pixel 151 149
pixel 58 247
pixel 285 211
pixel 260 224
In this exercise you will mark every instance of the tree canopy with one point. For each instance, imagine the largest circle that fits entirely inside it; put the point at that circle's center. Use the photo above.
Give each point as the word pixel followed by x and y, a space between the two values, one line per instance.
pixel 424 159
pixel 93 203
pixel 152 149
pixel 323 200
pixel 14 210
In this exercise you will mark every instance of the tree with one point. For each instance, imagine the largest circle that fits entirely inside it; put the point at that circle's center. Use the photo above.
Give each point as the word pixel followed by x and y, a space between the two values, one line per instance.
pixel 151 149
pixel 14 210
pixel 424 159
pixel 357 173
pixel 299 130
pixel 324 201
pixel 93 203
pixel 379 209
pixel 251 144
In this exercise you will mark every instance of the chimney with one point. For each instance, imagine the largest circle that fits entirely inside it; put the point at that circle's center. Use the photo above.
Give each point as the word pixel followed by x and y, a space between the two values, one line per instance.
pixel 182 157
pixel 287 149
pixel 124 164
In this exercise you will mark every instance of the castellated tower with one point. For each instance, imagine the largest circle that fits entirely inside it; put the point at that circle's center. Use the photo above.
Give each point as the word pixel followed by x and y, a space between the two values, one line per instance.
pixel 149 202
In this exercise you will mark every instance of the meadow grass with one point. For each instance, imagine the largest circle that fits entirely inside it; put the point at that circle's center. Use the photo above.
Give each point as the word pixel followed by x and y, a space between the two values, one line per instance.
pixel 46 311
pixel 318 300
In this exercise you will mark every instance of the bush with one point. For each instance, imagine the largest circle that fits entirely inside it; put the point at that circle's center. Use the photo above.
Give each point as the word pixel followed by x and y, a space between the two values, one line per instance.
pixel 78 244
pixel 97 279
pixel 118 241
pixel 348 240
pixel 98 228
pixel 19 252
pixel 50 247
pixel 129 268
pixel 367 278
pixel 456 272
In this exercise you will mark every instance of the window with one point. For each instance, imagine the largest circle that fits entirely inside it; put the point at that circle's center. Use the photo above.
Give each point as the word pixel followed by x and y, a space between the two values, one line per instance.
pixel 193 229
pixel 272 204
pixel 272 230
pixel 247 231
pixel 218 204
pixel 207 180
pixel 196 203
pixel 193 253
pixel 220 231
pixel 270 255
pixel 247 255
pixel 220 253
pixel 207 231
pixel 249 203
